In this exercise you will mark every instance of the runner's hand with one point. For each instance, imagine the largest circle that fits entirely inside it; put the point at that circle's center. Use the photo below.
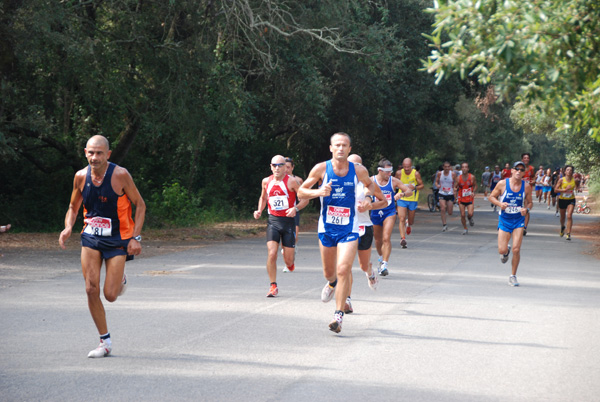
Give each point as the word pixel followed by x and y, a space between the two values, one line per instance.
pixel 64 235
pixel 326 190
pixel 134 247
pixel 257 214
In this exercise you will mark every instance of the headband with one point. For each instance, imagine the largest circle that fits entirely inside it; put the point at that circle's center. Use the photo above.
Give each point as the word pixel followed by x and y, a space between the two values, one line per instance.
pixel 387 169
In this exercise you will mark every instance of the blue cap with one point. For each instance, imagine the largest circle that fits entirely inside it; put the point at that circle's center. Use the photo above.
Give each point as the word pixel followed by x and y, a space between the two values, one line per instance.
pixel 517 163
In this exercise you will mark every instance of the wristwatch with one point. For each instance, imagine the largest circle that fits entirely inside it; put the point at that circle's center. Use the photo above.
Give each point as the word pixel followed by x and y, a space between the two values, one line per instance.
pixel 138 238
pixel 297 210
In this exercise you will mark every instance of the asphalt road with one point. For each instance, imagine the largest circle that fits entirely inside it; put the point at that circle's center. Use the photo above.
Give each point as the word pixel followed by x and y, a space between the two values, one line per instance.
pixel 196 325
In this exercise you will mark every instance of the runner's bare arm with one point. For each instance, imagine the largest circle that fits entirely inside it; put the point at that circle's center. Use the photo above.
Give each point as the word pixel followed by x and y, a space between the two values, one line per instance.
pixel 74 205
pixel 528 201
pixel 499 189
pixel 306 192
pixel 420 184
pixel 405 191
pixel 437 180
pixel 262 201
pixel 363 176
pixel 130 189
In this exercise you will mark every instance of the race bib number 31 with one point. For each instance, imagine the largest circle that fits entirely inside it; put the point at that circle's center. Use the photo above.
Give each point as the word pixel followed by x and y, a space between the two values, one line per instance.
pixel 338 215
pixel 98 226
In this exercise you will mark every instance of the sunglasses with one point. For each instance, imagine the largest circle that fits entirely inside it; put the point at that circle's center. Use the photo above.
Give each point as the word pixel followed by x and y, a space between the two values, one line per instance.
pixel 277 164
pixel 519 169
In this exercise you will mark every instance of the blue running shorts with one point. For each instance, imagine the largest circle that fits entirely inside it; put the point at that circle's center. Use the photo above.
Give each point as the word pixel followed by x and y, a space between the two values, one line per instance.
pixel 411 205
pixel 332 241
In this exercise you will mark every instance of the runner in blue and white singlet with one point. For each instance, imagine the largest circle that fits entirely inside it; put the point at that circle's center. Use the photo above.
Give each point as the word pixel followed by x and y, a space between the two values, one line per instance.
pixel 513 197
pixel 511 217
pixel 338 221
pixel 337 217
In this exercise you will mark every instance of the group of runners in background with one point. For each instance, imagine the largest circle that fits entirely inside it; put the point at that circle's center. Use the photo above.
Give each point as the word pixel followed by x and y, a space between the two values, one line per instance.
pixel 357 208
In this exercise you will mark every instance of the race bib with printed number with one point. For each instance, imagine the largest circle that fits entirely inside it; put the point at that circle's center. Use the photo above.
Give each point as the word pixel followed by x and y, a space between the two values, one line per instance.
pixel 338 215
pixel 446 190
pixel 512 209
pixel 361 230
pixel 278 203
pixel 98 226
pixel 388 197
pixel 466 192
pixel 568 194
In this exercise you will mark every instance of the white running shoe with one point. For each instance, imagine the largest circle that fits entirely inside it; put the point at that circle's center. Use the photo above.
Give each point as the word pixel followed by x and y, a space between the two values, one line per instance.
pixel 327 293
pixel 372 280
pixel 504 257
pixel 465 231
pixel 102 350
pixel 123 285
pixel 512 280
pixel 285 269
pixel 348 306
pixel 471 221
pixel 485 198
pixel 383 270
pixel 336 324
pixel 444 228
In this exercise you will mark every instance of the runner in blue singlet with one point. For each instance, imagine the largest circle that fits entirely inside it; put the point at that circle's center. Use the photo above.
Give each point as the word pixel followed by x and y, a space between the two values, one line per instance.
pixel 513 196
pixel 338 224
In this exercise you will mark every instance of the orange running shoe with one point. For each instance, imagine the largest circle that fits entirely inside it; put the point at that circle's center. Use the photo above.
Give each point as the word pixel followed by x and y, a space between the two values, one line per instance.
pixel 273 291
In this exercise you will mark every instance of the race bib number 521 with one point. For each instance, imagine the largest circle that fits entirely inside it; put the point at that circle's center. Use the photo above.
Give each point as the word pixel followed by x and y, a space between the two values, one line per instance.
pixel 98 226
pixel 338 215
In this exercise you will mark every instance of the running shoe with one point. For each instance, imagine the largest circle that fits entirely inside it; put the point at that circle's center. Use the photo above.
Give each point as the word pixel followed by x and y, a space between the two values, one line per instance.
pixel 403 243
pixel 372 280
pixel 290 268
pixel 285 269
pixel 465 231
pixel 383 270
pixel 273 291
pixel 512 280
pixel 327 293
pixel 348 306
pixel 524 231
pixel 471 221
pixel 123 285
pixel 569 236
pixel 556 213
pixel 548 207
pixel 408 230
pixel 380 261
pixel 336 324
pixel 562 231
pixel 504 257
pixel 444 228
pixel 102 350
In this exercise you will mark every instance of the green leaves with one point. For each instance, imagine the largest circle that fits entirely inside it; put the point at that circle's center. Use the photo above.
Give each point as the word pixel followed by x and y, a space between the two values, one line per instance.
pixel 538 50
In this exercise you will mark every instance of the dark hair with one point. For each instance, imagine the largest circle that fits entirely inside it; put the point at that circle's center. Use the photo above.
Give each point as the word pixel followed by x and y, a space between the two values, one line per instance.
pixel 525 153
pixel 384 162
pixel 289 160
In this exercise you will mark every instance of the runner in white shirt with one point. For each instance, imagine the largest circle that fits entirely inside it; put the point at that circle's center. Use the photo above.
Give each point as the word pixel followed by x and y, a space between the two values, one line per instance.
pixel 445 181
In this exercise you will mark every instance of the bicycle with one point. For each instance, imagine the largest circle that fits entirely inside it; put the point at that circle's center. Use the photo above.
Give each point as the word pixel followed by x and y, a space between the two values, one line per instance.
pixel 433 201
pixel 582 207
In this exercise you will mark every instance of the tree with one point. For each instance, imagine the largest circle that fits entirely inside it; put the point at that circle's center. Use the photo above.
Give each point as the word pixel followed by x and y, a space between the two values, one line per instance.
pixel 541 52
